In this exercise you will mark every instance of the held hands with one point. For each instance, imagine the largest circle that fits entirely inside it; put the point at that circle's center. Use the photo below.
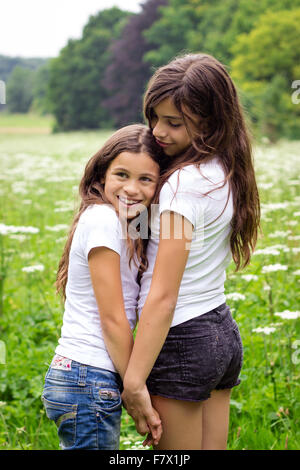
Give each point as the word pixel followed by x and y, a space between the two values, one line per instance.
pixel 138 405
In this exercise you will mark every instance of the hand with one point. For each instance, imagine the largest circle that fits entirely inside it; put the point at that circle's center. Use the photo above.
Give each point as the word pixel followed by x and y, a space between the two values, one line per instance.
pixel 139 407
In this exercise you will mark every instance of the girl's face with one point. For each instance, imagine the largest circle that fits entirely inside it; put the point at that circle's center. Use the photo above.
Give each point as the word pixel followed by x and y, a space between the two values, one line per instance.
pixel 169 128
pixel 130 183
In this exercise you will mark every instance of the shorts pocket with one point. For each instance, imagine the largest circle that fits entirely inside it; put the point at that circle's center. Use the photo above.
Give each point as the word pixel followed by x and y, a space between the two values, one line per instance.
pixel 109 399
pixel 64 416
pixel 201 359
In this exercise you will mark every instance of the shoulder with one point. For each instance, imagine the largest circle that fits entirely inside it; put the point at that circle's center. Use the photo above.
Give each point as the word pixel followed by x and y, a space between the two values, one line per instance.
pixel 100 216
pixel 99 212
pixel 206 176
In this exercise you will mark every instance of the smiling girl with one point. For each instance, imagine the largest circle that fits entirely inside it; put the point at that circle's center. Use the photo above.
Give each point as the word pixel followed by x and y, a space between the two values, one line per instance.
pixel 97 276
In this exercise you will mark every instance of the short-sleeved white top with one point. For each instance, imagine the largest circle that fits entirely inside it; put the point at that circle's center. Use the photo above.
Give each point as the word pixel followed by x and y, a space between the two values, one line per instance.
pixel 202 285
pixel 81 334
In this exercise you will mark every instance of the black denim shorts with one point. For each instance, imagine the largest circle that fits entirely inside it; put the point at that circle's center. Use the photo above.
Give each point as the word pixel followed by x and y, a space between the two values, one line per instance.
pixel 198 356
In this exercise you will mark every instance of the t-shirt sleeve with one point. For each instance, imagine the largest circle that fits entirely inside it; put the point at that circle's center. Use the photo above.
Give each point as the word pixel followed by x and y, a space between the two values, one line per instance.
pixel 101 227
pixel 179 195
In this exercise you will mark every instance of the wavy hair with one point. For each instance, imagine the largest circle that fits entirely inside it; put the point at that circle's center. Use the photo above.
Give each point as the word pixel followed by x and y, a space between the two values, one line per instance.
pixel 199 85
pixel 135 138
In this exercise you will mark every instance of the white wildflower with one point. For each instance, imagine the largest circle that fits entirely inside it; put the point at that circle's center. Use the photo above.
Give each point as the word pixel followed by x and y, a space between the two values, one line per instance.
pixel 292 223
pixel 19 237
pixel 40 191
pixel 249 277
pixel 57 228
pixel 31 269
pixel 296 214
pixel 267 251
pixel 6 229
pixel 265 185
pixel 288 315
pixel 235 296
pixel 294 237
pixel 274 206
pixel 297 273
pixel 280 233
pixel 296 250
pixel 273 267
pixel 267 287
pixel 63 209
pixel 266 330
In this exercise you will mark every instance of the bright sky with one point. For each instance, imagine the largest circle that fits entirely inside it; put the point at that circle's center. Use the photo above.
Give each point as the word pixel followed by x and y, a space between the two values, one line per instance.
pixel 40 28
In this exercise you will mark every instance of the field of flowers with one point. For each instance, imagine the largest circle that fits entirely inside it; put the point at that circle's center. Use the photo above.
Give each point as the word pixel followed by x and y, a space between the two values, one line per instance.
pixel 39 180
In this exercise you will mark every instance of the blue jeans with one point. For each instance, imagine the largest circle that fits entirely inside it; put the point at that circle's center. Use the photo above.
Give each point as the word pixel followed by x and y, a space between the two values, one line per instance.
pixel 85 403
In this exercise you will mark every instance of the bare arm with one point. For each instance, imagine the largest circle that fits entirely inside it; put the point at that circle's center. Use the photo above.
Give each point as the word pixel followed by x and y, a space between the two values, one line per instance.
pixel 157 313
pixel 104 265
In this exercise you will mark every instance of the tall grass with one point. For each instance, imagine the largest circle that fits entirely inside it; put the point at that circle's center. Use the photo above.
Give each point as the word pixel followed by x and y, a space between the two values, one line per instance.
pixel 39 180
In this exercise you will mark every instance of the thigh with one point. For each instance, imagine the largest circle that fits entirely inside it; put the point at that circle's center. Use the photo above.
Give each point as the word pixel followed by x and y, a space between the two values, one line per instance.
pixel 181 423
pixel 215 420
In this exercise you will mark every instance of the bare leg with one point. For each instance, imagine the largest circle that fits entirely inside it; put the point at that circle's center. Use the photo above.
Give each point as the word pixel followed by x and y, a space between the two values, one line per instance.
pixel 215 420
pixel 181 423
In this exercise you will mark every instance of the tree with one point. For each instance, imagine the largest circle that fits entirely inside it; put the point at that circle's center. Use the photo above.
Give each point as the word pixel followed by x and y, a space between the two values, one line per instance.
pixel 265 64
pixel 19 90
pixel 127 73
pixel 75 86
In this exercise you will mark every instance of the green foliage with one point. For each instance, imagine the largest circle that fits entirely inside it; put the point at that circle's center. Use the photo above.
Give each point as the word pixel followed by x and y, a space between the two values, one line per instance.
pixel 266 78
pixel 99 80
pixel 75 87
pixel 19 90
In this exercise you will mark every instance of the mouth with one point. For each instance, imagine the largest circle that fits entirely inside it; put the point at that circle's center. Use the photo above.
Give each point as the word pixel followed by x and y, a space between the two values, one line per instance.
pixel 163 144
pixel 128 202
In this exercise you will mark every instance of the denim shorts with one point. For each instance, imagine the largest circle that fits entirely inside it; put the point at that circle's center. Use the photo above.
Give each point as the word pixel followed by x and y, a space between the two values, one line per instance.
pixel 85 403
pixel 198 356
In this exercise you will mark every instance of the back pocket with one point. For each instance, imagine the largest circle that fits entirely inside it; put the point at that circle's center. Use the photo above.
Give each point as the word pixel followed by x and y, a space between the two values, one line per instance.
pixel 64 416
pixel 201 359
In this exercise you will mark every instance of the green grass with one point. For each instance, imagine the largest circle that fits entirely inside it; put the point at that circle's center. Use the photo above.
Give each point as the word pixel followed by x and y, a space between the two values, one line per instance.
pixel 39 179
pixel 26 121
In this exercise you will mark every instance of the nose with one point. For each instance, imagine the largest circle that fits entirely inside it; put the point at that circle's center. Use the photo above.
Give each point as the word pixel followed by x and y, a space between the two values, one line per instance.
pixel 159 130
pixel 131 187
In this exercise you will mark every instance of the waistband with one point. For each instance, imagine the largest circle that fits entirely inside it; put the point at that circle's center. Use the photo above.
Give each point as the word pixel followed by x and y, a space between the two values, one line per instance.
pixel 65 369
pixel 217 315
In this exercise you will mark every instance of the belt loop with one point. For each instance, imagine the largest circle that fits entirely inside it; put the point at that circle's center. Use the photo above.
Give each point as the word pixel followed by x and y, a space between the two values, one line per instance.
pixel 82 375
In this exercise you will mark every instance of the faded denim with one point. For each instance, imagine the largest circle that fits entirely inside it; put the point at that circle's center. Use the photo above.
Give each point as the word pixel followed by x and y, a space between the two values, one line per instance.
pixel 85 403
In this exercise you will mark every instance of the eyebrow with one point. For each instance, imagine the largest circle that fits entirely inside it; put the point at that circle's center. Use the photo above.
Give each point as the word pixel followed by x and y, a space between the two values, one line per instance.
pixel 173 117
pixel 117 168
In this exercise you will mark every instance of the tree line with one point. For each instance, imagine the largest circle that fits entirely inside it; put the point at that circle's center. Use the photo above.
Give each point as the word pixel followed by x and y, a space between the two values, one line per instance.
pixel 98 81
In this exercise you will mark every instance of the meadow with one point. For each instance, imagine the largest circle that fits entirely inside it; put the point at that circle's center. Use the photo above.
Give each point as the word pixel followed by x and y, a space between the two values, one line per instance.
pixel 39 176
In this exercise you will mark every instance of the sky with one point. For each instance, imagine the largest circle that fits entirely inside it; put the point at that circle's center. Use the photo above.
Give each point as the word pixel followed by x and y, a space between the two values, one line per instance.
pixel 40 28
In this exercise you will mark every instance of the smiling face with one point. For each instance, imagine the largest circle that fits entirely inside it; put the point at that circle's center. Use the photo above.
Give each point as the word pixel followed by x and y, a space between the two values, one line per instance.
pixel 130 183
pixel 169 128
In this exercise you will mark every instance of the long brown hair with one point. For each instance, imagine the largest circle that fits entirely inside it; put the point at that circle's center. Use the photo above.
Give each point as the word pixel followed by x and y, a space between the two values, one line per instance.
pixel 199 84
pixel 135 138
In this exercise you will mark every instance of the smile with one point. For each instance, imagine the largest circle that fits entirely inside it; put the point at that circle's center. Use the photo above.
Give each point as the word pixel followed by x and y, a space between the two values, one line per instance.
pixel 128 202
pixel 162 144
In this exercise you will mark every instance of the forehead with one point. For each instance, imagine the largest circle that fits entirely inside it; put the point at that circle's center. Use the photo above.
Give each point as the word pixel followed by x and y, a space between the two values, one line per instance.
pixel 135 162
pixel 167 108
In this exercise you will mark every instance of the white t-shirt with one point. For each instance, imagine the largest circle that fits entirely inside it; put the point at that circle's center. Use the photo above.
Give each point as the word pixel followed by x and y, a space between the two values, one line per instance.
pixel 202 285
pixel 81 334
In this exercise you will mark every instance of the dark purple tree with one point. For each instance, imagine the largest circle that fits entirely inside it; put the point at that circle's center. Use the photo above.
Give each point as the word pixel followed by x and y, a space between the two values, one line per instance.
pixel 127 74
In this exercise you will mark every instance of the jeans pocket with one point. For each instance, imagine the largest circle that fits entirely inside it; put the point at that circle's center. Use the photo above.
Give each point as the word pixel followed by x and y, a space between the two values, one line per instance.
pixel 64 416
pixel 109 399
